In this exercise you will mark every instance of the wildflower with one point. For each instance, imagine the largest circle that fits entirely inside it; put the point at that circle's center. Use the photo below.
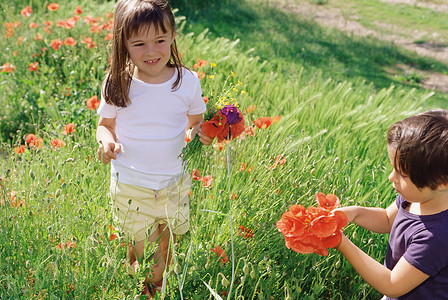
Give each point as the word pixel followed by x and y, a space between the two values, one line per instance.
pixel 219 146
pixel 47 26
pixel 57 143
pixel 221 254
pixel 38 37
pixel 201 75
pixel 56 43
pixel 90 43
pixel 311 230
pixel 53 6
pixel 265 122
pixel 78 10
pixel 196 174
pixel 26 12
pixel 33 25
pixel 200 63
pixel 328 202
pixel 205 98
pixel 251 109
pixel 93 102
pixel 207 181
pixel 67 24
pixel 33 66
pixel 249 130
pixel 20 149
pixel 248 233
pixel 69 128
pixel 279 160
pixel 30 137
pixel 70 42
pixel 37 143
pixel 8 68
pixel 108 36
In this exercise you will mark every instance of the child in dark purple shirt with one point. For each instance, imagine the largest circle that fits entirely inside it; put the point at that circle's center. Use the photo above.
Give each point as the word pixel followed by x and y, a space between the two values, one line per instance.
pixel 416 264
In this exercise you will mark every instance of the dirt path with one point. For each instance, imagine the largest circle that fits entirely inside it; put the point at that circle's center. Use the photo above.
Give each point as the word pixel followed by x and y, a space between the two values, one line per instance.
pixel 331 17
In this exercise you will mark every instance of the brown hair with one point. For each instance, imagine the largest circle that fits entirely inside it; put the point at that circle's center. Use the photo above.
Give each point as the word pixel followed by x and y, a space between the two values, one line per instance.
pixel 130 17
pixel 421 144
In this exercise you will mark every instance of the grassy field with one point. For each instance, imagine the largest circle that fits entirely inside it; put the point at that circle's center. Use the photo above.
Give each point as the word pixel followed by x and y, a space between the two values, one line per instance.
pixel 58 238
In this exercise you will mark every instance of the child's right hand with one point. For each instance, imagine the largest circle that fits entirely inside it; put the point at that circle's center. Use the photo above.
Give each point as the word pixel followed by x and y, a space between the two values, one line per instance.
pixel 349 211
pixel 108 152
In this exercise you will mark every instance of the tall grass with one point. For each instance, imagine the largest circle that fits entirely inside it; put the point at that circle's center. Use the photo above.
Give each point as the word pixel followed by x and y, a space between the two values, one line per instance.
pixel 58 237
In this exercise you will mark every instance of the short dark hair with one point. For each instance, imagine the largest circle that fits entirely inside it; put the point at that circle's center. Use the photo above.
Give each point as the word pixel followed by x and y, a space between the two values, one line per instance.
pixel 421 144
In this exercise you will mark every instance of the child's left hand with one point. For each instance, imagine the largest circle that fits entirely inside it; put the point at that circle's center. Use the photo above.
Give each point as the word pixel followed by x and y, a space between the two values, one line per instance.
pixel 203 138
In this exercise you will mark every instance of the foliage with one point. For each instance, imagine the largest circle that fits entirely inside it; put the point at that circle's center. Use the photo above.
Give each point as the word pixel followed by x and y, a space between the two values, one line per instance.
pixel 58 236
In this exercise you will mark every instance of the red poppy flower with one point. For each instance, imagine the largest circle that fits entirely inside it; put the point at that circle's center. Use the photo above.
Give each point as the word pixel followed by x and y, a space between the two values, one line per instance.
pixel 90 43
pixel 251 109
pixel 279 160
pixel 248 233
pixel 207 181
pixel 311 230
pixel 26 12
pixel 205 98
pixel 33 66
pixel 7 67
pixel 56 43
pixel 93 103
pixel 215 126
pixel 78 10
pixel 265 122
pixel 57 143
pixel 329 201
pixel 37 143
pixel 221 254
pixel 30 137
pixel 53 6
pixel 69 128
pixel 196 174
pixel 20 149
pixel 33 25
pixel 70 42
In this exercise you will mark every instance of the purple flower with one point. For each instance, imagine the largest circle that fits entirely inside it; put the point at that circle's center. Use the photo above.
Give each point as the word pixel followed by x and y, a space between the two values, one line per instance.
pixel 232 114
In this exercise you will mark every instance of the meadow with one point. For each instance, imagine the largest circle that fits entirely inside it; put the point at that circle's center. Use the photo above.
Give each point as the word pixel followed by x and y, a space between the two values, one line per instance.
pixel 58 238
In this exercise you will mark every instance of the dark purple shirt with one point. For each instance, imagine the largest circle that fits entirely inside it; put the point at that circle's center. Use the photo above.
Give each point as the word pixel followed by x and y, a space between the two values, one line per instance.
pixel 423 241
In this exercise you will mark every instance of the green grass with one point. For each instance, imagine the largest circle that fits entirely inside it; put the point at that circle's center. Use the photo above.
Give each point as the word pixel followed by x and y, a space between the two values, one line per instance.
pixel 293 45
pixel 331 132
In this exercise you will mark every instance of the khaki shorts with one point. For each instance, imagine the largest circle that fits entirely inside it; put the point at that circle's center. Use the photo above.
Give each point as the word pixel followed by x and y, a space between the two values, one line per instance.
pixel 140 210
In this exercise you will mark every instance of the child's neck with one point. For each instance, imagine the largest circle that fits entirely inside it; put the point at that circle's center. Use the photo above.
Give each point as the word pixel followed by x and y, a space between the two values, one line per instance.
pixel 431 207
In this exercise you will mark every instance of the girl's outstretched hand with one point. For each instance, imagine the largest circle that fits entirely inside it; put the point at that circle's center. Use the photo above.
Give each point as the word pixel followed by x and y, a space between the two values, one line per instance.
pixel 108 152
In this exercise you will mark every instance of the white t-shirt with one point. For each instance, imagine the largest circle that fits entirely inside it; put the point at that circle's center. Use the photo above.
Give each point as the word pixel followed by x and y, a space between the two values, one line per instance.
pixel 151 130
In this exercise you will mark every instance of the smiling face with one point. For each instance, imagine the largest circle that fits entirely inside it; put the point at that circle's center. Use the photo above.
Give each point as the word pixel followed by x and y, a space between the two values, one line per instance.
pixel 150 51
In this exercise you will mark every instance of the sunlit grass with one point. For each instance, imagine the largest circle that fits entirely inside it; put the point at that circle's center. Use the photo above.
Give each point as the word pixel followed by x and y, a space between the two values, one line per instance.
pixel 56 239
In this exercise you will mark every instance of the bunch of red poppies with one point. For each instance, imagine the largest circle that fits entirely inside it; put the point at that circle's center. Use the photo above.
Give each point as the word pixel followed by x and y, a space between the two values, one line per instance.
pixel 225 123
pixel 313 229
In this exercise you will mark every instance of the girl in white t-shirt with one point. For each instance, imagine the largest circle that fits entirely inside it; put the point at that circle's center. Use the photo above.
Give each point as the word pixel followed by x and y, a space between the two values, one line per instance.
pixel 150 101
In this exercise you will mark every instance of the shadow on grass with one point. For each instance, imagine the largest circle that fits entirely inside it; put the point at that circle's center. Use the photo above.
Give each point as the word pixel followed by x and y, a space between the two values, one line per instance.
pixel 289 42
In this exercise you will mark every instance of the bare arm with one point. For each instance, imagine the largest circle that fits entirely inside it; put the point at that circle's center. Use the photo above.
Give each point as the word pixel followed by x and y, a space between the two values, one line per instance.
pixel 105 136
pixel 402 279
pixel 194 127
pixel 372 218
